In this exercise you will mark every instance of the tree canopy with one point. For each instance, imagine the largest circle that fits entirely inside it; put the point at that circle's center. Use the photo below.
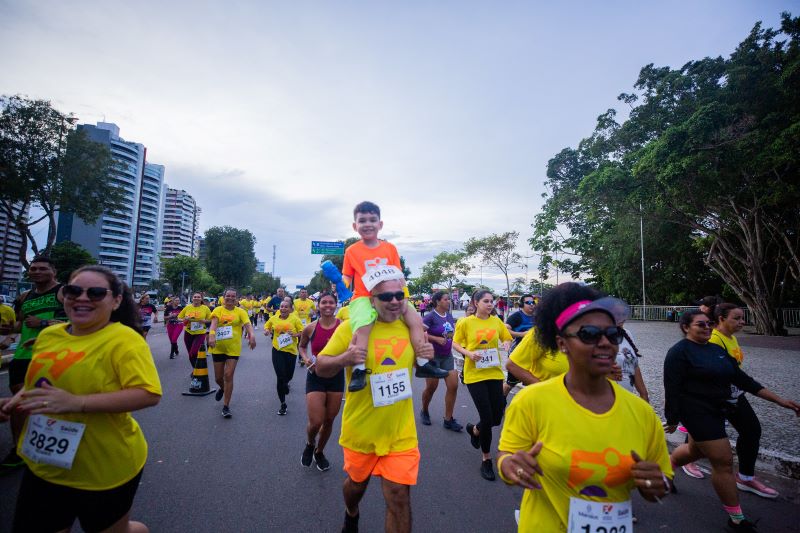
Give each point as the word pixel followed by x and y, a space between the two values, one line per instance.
pixel 69 256
pixel 709 157
pixel 497 251
pixel 230 255
pixel 46 163
pixel 182 271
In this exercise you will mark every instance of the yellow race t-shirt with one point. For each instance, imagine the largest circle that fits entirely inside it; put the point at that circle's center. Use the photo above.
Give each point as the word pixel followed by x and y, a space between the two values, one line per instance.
pixel 7 315
pixel 113 448
pixel 729 344
pixel 197 315
pixel 278 325
pixel 539 361
pixel 584 455
pixel 343 313
pixel 366 428
pixel 304 308
pixel 474 333
pixel 236 317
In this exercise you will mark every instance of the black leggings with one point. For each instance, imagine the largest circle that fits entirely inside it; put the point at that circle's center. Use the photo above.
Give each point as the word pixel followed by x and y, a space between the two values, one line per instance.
pixel 283 362
pixel 744 419
pixel 193 344
pixel 491 404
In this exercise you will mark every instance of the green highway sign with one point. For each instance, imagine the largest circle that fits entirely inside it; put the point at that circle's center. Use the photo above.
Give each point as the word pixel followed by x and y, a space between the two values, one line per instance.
pixel 327 247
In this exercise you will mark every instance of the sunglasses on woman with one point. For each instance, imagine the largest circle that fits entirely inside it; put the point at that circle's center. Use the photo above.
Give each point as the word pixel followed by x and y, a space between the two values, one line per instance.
pixel 389 296
pixel 703 325
pixel 94 294
pixel 592 334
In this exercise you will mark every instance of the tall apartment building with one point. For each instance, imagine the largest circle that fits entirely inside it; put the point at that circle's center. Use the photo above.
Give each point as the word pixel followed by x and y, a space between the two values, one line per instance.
pixel 126 240
pixel 181 225
pixel 148 241
pixel 10 246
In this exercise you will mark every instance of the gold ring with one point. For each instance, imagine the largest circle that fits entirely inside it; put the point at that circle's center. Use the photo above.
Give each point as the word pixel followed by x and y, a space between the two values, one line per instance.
pixel 648 483
pixel 520 472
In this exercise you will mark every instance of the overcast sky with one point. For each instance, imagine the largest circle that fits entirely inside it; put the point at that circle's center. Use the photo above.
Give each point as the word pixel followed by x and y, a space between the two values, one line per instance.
pixel 279 117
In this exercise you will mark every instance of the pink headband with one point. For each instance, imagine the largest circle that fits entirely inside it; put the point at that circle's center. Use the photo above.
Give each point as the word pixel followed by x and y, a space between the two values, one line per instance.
pixel 567 314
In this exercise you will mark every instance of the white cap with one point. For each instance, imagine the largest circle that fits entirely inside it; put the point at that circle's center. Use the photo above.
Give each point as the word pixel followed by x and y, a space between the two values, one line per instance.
pixel 382 273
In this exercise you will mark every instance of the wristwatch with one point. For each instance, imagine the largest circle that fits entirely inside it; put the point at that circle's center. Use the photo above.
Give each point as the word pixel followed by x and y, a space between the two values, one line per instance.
pixel 44 323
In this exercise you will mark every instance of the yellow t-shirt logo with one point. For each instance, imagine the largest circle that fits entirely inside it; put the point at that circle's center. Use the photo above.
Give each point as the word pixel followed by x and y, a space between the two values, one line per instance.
pixel 59 362
pixel 608 467
pixel 485 335
pixel 383 348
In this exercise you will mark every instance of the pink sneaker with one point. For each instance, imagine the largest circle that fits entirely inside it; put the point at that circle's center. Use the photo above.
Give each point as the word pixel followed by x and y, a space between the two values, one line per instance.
pixel 756 487
pixel 692 470
pixel 683 429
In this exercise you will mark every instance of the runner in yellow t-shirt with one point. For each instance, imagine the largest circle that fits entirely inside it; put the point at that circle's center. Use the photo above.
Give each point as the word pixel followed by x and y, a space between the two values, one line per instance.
pixel 378 436
pixel 285 328
pixel 196 318
pixel 305 308
pixel 478 339
pixel 8 319
pixel 730 320
pixel 225 341
pixel 80 442
pixel 580 443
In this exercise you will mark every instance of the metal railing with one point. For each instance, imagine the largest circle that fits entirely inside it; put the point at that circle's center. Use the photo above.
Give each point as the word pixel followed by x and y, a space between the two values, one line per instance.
pixel 667 313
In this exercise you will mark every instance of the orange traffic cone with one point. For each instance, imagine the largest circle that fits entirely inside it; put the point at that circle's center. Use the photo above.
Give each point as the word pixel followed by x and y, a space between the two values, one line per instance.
pixel 199 385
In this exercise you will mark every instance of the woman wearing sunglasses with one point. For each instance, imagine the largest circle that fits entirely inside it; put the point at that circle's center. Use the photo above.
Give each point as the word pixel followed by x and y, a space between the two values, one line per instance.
pixel 579 443
pixel 83 450
pixel 478 339
pixel 698 376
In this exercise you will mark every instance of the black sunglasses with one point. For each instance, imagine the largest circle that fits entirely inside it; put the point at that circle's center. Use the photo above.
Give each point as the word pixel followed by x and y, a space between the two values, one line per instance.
pixel 94 294
pixel 528 302
pixel 389 296
pixel 703 324
pixel 592 334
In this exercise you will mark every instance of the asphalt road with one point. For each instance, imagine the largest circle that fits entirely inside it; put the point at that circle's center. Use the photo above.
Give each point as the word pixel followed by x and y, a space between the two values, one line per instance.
pixel 205 473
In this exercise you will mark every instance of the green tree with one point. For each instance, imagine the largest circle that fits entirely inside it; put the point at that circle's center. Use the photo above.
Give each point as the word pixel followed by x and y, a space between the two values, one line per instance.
pixel 182 271
pixel 710 158
pixel 205 282
pixel 230 255
pixel 48 165
pixel 497 251
pixel 68 256
pixel 264 283
pixel 446 268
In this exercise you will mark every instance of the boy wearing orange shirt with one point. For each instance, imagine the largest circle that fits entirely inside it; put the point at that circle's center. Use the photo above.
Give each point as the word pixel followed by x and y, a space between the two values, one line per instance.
pixel 363 264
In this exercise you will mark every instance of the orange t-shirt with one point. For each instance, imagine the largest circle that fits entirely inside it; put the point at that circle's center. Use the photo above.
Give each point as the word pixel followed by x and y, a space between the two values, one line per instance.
pixel 358 258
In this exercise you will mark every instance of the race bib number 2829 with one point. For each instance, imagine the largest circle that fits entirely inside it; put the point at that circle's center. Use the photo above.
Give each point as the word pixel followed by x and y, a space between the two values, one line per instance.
pixel 52 441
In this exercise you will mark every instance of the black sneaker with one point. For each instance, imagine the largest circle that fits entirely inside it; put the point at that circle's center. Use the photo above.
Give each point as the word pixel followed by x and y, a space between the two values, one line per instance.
pixel 429 370
pixel 11 462
pixel 487 472
pixel 322 462
pixel 452 425
pixel 172 356
pixel 425 417
pixel 350 523
pixel 308 454
pixel 226 412
pixel 745 525
pixel 475 441
pixel 220 393
pixel 282 410
pixel 358 380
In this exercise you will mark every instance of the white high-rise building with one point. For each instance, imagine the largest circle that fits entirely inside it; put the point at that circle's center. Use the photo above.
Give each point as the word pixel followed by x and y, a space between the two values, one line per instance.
pixel 126 240
pixel 148 241
pixel 180 232
pixel 10 246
